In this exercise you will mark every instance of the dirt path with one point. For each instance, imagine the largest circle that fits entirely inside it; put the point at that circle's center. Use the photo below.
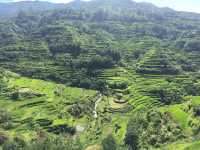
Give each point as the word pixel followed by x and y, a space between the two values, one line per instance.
pixel 99 98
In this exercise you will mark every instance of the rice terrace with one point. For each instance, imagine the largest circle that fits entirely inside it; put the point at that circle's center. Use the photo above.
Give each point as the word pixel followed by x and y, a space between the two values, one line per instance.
pixel 99 75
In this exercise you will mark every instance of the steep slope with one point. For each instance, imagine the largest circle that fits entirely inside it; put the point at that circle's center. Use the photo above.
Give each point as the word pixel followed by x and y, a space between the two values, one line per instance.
pixel 143 60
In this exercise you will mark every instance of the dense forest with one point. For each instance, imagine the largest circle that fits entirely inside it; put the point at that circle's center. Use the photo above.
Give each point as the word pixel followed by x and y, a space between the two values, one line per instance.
pixel 98 75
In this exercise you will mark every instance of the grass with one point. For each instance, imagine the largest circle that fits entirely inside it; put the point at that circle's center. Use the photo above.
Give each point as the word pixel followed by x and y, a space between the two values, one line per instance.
pixel 58 97
pixel 51 106
pixel 49 89
pixel 179 116
pixel 115 105
pixel 196 100
pixel 194 146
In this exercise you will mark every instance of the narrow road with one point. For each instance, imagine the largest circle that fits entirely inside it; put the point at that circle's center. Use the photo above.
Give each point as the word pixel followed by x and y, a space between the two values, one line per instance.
pixel 98 100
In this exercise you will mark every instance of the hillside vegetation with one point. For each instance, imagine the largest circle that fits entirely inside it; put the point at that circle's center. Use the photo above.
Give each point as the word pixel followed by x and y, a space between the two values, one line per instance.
pixel 104 74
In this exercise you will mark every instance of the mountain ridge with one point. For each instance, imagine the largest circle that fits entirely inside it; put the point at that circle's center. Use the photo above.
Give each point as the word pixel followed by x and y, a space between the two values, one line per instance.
pixel 11 9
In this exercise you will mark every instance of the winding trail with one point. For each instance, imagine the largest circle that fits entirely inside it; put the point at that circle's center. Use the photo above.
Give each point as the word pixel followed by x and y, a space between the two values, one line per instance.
pixel 98 100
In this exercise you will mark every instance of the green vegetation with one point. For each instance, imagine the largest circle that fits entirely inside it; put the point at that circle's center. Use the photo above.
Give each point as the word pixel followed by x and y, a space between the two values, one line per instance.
pixel 104 74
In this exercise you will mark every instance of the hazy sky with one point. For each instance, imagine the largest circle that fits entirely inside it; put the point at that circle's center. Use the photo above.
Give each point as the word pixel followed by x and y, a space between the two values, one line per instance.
pixel 182 5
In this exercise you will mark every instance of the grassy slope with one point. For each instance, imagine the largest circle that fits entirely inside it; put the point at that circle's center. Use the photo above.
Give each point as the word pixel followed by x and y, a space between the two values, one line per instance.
pixel 181 116
pixel 138 96
pixel 50 106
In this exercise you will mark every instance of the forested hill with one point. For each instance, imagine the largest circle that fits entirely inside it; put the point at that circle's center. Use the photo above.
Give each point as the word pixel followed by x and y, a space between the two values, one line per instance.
pixel 139 62
pixel 11 9
pixel 102 32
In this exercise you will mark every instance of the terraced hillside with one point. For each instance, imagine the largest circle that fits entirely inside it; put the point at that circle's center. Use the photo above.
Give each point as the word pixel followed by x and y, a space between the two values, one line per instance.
pixel 99 75
pixel 36 104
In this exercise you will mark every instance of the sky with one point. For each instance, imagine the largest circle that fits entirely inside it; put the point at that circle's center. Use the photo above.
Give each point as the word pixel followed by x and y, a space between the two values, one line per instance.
pixel 180 5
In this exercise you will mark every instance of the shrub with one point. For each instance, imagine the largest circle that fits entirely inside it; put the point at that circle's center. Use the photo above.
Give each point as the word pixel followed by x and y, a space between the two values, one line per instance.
pixel 75 111
pixel 3 138
pixel 4 116
pixel 15 95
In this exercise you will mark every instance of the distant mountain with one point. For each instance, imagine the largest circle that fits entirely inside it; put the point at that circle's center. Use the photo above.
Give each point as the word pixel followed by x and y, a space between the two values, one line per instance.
pixel 12 9
pixel 112 6
pixel 115 5
pixel 126 7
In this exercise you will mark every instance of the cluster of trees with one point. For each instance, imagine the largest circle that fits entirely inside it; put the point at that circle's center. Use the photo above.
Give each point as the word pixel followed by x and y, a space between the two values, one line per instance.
pixel 174 91
pixel 102 60
pixel 109 143
pixel 99 62
pixel 188 66
pixel 89 82
pixel 192 45
pixel 169 93
pixel 62 129
pixel 53 143
pixel 114 54
pixel 132 133
pixel 192 87
pixel 73 49
pixel 87 71
pixel 189 45
pixel 41 143
pixel 151 129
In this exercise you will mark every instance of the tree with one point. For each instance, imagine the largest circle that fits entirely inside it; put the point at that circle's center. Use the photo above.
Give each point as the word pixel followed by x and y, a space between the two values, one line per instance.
pixel 132 134
pixel 5 119
pixel 169 94
pixel 99 62
pixel 75 110
pixel 109 143
pixel 132 140
pixel 115 55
